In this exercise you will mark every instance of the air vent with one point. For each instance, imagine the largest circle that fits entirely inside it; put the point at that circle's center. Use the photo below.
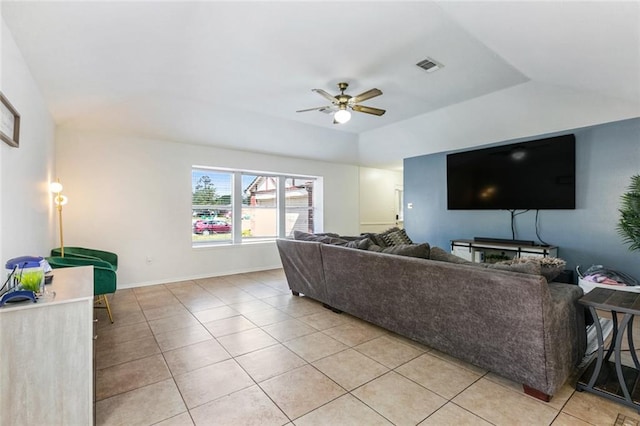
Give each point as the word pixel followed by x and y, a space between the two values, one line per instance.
pixel 429 65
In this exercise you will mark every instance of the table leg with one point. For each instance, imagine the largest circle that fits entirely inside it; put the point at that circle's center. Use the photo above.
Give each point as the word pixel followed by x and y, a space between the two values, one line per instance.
pixel 600 357
pixel 618 357
pixel 632 348
pixel 614 335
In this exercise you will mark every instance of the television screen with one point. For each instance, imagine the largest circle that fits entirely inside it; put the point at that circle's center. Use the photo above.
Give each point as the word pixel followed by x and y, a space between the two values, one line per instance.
pixel 532 175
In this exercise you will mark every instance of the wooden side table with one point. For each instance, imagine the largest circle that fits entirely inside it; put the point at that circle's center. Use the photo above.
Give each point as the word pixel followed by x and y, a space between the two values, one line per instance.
pixel 613 380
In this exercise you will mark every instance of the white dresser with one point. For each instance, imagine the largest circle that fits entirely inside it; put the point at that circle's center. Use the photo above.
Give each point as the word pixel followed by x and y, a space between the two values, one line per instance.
pixel 46 355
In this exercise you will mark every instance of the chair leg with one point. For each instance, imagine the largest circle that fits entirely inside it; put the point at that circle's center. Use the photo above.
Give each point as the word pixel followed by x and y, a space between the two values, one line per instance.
pixel 106 302
pixel 99 299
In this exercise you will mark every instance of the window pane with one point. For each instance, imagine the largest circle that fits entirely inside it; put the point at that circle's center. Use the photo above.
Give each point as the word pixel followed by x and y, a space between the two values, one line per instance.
pixel 211 206
pixel 299 206
pixel 259 206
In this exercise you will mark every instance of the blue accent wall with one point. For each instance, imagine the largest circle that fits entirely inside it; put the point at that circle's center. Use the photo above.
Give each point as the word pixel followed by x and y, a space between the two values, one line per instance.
pixel 606 157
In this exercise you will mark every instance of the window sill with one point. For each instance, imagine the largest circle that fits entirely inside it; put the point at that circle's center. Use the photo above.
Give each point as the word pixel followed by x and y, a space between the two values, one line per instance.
pixel 230 244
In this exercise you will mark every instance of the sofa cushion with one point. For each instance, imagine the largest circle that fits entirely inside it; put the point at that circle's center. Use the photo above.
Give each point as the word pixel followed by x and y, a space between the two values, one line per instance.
pixel 410 250
pixel 396 238
pixel 444 256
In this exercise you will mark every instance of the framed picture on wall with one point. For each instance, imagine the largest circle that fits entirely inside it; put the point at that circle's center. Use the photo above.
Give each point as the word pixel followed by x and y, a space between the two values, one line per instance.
pixel 9 122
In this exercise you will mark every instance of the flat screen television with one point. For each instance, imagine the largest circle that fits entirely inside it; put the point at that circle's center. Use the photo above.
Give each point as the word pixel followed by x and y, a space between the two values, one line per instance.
pixel 530 175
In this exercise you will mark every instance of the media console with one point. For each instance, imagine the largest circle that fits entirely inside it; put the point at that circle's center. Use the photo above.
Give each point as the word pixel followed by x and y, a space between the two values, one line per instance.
pixel 482 249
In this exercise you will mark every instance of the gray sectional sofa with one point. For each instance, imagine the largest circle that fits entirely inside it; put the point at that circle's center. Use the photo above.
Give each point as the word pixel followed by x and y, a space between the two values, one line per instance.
pixel 514 324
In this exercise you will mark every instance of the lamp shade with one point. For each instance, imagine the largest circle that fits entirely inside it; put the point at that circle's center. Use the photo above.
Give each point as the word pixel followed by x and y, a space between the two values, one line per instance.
pixel 342 116
pixel 55 187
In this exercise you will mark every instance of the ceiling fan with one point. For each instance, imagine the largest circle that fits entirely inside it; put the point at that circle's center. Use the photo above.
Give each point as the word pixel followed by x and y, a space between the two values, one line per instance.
pixel 342 103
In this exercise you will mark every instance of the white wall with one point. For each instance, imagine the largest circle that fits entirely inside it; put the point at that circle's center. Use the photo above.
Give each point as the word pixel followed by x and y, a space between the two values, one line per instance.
pixel 378 198
pixel 26 208
pixel 532 108
pixel 210 125
pixel 132 196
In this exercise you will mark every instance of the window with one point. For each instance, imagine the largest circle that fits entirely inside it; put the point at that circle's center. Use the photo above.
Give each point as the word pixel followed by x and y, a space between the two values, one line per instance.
pixel 299 204
pixel 231 207
pixel 259 206
pixel 212 206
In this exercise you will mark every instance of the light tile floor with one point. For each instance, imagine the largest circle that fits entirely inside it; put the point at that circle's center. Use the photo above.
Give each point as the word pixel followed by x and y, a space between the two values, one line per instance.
pixel 241 350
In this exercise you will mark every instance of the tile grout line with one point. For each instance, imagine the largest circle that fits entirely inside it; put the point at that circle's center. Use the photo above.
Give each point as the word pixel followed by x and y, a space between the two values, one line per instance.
pixel 282 343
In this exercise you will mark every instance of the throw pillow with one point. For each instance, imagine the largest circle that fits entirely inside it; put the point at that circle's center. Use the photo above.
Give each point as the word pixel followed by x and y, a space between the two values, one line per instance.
pixel 396 238
pixel 410 250
pixel 352 237
pixel 306 236
pixel 378 239
pixel 444 256
pixel 550 267
pixel 523 268
pixel 334 239
pixel 361 244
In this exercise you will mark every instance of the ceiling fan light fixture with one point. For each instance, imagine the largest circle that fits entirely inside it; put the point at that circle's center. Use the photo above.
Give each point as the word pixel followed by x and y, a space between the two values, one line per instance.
pixel 341 104
pixel 342 116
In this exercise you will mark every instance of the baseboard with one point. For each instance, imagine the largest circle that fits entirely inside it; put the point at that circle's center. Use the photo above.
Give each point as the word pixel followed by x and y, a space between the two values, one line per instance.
pixel 198 277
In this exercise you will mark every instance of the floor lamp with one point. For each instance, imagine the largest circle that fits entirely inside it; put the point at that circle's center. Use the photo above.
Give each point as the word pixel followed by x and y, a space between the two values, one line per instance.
pixel 60 200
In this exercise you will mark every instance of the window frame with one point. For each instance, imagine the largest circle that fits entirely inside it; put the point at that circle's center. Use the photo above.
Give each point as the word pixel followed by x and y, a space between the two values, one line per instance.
pixel 237 205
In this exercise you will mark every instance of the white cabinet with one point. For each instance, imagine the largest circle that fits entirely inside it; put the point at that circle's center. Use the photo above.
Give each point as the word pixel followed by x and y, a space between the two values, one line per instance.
pixel 486 251
pixel 46 355
pixel 463 251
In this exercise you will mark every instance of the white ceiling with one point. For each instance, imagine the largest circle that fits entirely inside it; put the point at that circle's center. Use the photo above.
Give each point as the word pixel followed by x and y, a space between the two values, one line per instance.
pixel 107 59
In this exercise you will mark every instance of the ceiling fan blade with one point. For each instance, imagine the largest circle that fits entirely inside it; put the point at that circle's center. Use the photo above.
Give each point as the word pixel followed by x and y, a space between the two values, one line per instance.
pixel 368 110
pixel 322 108
pixel 367 95
pixel 321 92
pixel 330 110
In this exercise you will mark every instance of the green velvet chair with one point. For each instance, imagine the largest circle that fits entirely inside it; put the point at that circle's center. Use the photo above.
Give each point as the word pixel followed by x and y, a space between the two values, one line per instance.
pixel 104 274
pixel 87 253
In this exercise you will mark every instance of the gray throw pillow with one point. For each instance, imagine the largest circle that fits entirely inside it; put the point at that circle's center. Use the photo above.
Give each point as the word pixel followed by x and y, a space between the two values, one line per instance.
pixel 410 250
pixel 397 238
pixel 306 236
pixel 524 268
pixel 444 256
pixel 550 267
pixel 352 237
pixel 378 239
pixel 361 244
pixel 333 239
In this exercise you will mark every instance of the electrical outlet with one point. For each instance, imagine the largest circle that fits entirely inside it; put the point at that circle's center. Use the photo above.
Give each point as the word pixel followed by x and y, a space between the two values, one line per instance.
pixel 149 260
pixel 409 205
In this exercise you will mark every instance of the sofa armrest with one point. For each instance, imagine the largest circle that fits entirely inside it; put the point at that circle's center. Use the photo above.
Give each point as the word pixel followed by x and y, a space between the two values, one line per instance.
pixel 564 341
pixel 302 264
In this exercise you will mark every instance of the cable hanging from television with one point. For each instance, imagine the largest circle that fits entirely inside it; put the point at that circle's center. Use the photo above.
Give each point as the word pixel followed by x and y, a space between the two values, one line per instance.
pixel 538 230
pixel 513 221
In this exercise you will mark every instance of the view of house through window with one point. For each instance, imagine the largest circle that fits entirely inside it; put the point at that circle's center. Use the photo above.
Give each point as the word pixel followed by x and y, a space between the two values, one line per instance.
pixel 237 206
pixel 260 207
pixel 299 204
